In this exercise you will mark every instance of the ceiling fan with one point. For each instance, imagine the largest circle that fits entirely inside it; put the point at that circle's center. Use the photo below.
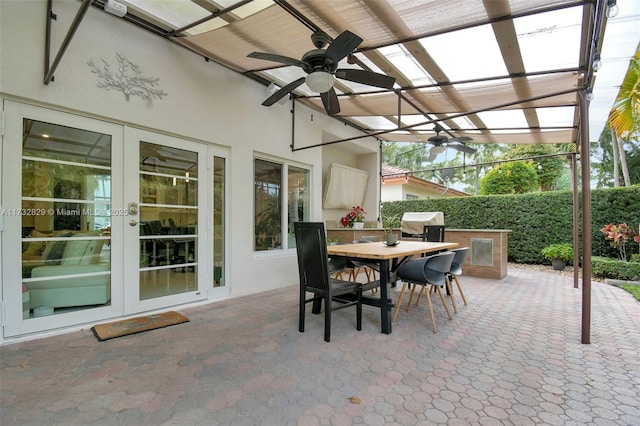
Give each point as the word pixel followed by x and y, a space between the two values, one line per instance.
pixel 441 142
pixel 321 66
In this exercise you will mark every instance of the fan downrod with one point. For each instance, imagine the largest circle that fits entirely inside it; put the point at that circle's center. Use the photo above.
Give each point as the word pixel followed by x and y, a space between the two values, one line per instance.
pixel 319 39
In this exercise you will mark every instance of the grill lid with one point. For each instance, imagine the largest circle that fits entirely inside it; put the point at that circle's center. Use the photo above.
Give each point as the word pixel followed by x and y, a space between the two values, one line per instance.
pixel 413 222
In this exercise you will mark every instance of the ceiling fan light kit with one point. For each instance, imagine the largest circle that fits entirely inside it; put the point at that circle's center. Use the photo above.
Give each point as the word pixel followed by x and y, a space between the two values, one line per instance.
pixel 320 81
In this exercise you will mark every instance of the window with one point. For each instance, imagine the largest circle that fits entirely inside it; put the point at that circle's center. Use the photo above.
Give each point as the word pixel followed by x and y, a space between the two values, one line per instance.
pixel 269 187
pixel 412 197
pixel 298 202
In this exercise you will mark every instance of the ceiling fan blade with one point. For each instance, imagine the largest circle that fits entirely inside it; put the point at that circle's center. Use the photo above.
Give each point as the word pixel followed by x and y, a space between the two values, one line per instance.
pixel 366 77
pixel 462 148
pixel 278 58
pixel 437 140
pixel 283 92
pixel 461 139
pixel 343 45
pixel 330 102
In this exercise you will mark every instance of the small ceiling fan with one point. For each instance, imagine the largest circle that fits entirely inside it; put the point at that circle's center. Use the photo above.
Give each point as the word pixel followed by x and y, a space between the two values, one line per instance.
pixel 321 66
pixel 441 142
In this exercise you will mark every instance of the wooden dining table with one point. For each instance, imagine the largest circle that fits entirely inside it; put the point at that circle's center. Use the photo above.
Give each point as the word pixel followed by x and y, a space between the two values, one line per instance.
pixel 389 258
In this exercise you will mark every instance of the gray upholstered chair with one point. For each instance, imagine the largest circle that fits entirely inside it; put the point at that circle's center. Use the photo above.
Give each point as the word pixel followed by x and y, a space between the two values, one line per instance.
pixel 456 269
pixel 429 272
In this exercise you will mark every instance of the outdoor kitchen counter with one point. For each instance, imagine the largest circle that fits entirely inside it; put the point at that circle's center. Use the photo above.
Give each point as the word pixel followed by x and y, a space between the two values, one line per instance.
pixel 487 257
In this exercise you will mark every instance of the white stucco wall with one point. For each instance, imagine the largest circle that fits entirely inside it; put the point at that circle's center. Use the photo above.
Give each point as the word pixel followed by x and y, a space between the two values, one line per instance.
pixel 392 193
pixel 205 102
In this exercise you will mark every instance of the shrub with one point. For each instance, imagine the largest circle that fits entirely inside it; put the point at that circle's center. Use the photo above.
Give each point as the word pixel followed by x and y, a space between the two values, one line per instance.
pixel 602 267
pixel 562 251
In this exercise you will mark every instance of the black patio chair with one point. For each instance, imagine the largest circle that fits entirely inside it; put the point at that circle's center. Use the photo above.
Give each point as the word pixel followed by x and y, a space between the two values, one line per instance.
pixel 433 233
pixel 314 270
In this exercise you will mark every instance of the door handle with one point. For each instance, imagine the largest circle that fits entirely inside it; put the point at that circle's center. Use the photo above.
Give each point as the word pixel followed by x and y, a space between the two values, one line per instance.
pixel 133 222
pixel 133 209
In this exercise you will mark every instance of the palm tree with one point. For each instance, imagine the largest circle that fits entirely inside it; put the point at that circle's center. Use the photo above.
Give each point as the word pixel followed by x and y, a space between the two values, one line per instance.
pixel 624 118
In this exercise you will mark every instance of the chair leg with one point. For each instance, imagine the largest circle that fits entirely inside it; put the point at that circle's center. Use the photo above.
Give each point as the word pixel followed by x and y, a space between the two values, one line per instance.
pixel 455 277
pixel 433 317
pixel 397 308
pixel 371 276
pixel 424 289
pixel 317 305
pixel 301 312
pixel 439 290
pixel 327 320
pixel 450 291
pixel 413 290
pixel 359 311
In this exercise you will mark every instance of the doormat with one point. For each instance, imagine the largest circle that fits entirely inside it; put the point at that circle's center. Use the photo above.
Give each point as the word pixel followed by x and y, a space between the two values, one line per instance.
pixel 121 328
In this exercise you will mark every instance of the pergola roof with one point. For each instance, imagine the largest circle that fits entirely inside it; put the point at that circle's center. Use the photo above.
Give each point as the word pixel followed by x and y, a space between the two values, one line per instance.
pixel 498 71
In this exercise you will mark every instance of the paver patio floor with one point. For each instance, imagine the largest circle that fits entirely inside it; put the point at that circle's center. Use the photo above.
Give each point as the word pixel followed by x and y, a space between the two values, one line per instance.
pixel 513 356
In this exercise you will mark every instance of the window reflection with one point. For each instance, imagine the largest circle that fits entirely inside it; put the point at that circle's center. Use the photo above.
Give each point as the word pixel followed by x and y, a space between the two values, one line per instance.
pixel 269 186
pixel 218 221
pixel 168 220
pixel 268 205
pixel 66 201
pixel 298 199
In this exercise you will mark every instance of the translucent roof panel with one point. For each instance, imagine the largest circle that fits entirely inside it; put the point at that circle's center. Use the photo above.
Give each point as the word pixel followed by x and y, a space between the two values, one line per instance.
pixel 181 13
pixel 550 40
pixel 246 10
pixel 176 13
pixel 403 60
pixel 504 119
pixel 380 123
pixel 467 54
pixel 558 116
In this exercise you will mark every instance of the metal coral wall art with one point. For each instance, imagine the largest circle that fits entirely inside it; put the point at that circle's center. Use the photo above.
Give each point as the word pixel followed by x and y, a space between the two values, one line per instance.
pixel 128 79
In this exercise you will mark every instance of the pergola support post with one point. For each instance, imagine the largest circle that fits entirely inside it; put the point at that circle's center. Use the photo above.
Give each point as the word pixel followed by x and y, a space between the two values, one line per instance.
pixel 576 219
pixel 585 163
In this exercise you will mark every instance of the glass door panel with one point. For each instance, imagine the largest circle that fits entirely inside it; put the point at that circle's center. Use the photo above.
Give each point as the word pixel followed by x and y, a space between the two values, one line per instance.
pixel 164 228
pixel 57 263
pixel 219 205
pixel 66 259
pixel 168 220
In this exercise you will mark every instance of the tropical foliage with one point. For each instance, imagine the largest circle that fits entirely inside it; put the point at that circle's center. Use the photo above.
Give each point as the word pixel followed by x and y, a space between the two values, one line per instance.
pixel 624 119
pixel 517 177
pixel 619 235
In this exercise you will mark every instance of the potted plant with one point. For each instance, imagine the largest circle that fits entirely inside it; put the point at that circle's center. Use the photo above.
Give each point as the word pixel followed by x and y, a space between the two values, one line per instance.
pixel 354 219
pixel 559 254
pixel 389 223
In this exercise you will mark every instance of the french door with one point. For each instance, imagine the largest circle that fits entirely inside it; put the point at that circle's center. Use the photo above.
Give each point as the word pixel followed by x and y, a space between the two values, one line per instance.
pixel 166 181
pixel 103 220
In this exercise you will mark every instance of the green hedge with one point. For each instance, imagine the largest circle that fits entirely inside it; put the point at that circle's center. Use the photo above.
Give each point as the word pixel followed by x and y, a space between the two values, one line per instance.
pixel 536 220
pixel 603 267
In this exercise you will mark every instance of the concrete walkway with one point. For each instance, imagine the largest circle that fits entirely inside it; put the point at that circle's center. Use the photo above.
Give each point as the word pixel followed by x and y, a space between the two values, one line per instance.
pixel 511 357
